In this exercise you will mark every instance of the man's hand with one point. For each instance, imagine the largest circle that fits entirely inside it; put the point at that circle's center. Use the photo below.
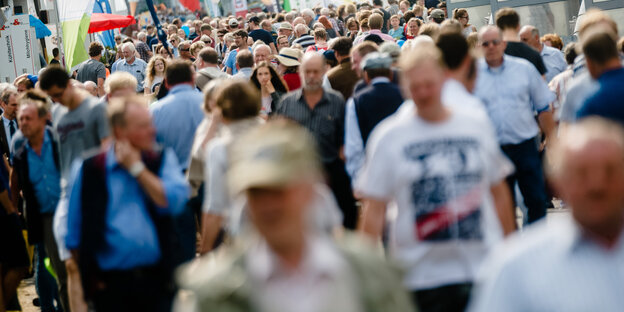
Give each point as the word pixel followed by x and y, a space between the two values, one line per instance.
pixel 126 154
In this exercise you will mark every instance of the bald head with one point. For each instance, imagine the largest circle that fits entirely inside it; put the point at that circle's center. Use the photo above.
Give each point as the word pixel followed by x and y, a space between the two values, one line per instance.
pixel 301 30
pixel 91 87
pixel 530 35
pixel 261 53
pixel 312 70
pixel 586 165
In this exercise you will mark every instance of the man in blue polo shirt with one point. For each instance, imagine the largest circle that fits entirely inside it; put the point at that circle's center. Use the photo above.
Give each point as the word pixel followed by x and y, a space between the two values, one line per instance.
pixel 604 65
pixel 512 91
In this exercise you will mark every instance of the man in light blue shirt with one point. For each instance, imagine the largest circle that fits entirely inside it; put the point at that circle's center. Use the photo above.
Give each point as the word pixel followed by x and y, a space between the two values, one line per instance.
pixel 177 115
pixel 120 204
pixel 513 92
pixel 133 65
pixel 572 262
pixel 553 58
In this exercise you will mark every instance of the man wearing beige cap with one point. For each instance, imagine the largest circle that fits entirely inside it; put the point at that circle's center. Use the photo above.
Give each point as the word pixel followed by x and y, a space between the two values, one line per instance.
pixel 286 29
pixel 287 264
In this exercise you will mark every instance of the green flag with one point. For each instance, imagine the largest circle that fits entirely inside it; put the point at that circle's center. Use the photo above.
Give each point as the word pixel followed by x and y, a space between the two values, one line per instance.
pixel 287 5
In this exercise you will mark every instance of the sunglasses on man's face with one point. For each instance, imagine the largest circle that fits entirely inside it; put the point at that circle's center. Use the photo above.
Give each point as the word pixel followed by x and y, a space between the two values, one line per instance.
pixel 494 43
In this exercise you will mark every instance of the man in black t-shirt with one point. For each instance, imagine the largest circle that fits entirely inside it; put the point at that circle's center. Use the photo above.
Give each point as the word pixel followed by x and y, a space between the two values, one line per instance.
pixel 256 33
pixel 508 21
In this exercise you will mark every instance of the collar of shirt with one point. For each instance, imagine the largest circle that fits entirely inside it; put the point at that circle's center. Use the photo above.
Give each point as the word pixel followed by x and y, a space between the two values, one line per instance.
pixel 134 63
pixel 499 69
pixel 320 259
pixel 7 121
pixel 378 80
pixel 111 159
pixel 546 50
pixel 576 239
pixel 302 97
pixel 181 88
pixel 46 141
pixel 605 76
pixel 246 70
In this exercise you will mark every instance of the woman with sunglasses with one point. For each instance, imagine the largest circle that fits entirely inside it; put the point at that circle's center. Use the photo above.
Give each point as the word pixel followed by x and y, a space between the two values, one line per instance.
pixel 462 16
pixel 272 87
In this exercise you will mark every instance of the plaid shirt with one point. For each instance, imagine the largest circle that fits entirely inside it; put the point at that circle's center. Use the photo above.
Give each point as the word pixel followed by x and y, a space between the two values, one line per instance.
pixel 143 50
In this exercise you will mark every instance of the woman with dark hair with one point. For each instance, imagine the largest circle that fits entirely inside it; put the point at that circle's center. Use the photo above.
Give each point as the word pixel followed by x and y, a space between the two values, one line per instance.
pixel 272 87
pixel 461 15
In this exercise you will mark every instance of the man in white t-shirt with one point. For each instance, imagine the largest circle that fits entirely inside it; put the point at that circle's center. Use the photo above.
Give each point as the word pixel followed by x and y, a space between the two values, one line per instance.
pixel 446 173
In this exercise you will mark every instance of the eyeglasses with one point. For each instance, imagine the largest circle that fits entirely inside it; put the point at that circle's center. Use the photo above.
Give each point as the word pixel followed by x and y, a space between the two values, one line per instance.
pixel 185 50
pixel 494 42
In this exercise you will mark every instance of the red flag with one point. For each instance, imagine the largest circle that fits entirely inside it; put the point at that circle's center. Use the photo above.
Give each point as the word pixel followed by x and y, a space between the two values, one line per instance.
pixel 192 5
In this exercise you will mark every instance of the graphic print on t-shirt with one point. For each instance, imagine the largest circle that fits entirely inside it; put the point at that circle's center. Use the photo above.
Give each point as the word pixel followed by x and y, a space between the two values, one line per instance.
pixel 446 196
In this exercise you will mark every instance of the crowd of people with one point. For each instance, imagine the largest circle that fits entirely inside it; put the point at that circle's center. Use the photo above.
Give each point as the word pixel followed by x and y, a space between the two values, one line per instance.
pixel 352 158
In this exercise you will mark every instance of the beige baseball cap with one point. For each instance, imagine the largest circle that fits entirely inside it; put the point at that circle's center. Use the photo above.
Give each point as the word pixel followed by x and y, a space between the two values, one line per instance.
pixel 273 155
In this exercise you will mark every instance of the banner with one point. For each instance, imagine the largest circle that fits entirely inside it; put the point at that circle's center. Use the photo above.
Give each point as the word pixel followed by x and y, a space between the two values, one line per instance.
pixel 191 5
pixel 75 16
pixel 212 7
pixel 240 7
pixel 579 18
pixel 19 50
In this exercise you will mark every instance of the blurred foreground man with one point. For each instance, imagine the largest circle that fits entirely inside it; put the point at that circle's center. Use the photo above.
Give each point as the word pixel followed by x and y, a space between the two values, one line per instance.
pixel 287 265
pixel 573 263
pixel 120 204
pixel 445 172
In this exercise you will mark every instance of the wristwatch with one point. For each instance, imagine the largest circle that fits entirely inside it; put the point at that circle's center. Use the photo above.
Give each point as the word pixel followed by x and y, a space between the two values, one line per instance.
pixel 136 169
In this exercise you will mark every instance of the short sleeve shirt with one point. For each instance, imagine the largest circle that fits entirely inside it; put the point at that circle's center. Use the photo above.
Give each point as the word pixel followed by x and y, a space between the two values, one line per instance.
pixel 91 70
pixel 80 130
pixel 439 175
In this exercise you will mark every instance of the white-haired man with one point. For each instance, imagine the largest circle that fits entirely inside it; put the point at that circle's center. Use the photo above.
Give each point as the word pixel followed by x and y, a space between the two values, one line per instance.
pixel 132 64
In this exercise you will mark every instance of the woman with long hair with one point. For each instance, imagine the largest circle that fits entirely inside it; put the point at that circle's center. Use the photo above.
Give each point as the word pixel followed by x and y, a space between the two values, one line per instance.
pixel 353 27
pixel 271 86
pixel 329 28
pixel 461 15
pixel 154 74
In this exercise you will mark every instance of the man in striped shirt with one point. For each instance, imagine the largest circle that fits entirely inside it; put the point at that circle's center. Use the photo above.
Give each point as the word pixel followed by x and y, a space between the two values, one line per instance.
pixel 303 38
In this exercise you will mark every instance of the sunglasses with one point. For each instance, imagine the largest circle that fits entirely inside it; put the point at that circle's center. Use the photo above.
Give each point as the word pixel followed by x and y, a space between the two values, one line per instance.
pixel 185 50
pixel 494 43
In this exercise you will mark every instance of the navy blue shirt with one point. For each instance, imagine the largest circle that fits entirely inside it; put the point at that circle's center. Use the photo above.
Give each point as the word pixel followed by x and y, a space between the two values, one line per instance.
pixel 261 34
pixel 608 101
